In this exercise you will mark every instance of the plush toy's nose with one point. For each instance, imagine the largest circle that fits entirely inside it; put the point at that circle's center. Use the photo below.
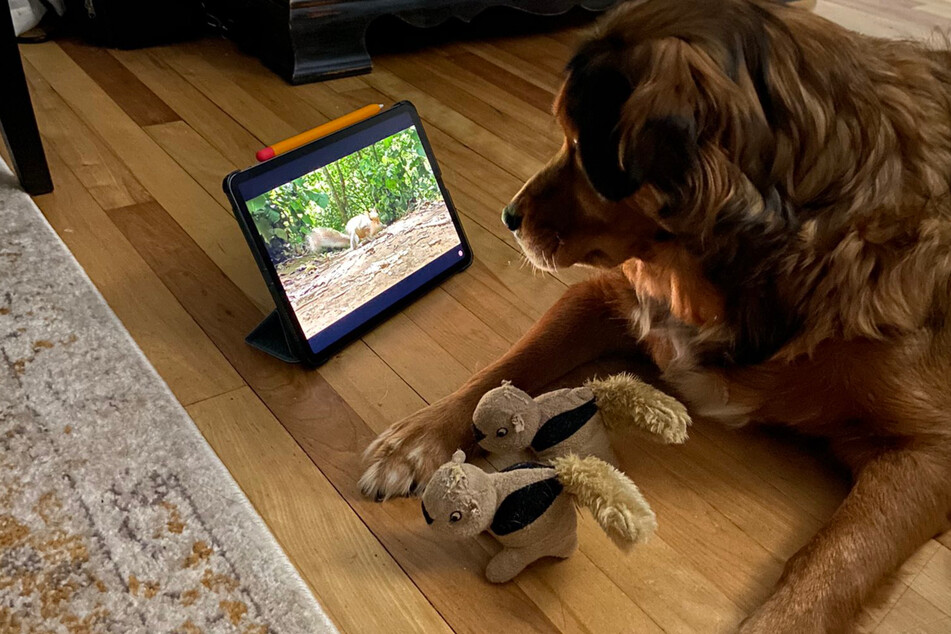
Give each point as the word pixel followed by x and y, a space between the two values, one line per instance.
pixel 429 520
pixel 477 433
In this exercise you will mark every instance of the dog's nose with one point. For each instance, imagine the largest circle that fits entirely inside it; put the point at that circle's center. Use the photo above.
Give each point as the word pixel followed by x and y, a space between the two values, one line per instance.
pixel 511 218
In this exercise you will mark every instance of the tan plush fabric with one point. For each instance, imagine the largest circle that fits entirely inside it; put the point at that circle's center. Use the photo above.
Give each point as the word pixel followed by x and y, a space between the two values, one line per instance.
pixel 510 420
pixel 461 501
pixel 631 405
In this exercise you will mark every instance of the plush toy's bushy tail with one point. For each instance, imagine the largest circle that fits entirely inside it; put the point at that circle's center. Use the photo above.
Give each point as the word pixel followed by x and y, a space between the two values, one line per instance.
pixel 611 496
pixel 626 403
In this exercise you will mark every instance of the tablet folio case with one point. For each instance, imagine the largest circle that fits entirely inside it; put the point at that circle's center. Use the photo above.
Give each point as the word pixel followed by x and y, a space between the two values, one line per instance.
pixel 269 336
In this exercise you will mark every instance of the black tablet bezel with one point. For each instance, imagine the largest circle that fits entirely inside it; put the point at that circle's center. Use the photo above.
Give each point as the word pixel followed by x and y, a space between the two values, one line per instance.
pixel 283 306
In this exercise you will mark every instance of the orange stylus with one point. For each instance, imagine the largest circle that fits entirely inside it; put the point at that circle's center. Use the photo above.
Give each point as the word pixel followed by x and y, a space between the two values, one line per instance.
pixel 320 131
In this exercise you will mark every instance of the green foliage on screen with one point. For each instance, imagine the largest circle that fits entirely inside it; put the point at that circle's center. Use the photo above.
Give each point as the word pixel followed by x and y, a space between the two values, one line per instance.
pixel 391 176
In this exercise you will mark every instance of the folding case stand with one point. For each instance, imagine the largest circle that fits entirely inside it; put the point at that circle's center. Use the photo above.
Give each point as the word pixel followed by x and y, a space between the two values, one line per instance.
pixel 270 336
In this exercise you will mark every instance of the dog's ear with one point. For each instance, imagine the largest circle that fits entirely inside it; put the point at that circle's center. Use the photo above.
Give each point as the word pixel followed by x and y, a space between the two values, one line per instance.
pixel 662 151
pixel 592 98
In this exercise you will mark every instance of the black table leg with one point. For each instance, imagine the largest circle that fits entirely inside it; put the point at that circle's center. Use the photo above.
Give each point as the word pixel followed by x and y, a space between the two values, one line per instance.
pixel 17 120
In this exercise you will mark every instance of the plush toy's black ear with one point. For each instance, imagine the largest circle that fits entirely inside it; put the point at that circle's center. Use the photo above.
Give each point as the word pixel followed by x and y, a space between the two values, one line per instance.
pixel 663 153
pixel 594 95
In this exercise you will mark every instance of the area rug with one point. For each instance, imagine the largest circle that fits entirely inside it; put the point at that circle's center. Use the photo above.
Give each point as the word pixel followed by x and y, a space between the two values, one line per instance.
pixel 115 514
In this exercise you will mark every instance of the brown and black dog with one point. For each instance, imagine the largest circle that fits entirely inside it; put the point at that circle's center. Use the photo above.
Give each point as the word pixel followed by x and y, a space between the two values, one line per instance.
pixel 769 196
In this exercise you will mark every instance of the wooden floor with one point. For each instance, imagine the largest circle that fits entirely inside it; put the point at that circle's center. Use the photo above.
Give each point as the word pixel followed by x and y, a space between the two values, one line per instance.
pixel 138 143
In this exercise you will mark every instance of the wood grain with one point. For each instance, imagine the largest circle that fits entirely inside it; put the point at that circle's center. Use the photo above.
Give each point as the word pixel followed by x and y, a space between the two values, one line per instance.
pixel 176 346
pixel 135 98
pixel 194 155
pixel 101 172
pixel 359 584
pixel 202 114
pixel 206 220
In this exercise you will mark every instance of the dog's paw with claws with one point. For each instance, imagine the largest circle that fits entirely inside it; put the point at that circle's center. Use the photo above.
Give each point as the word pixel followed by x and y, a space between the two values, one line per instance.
pixel 402 459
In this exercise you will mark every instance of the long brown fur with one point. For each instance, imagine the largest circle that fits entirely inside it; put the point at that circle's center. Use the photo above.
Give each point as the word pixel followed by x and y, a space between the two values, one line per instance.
pixel 768 194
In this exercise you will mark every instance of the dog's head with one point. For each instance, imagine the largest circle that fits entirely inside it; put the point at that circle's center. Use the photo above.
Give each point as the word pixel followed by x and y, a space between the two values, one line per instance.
pixel 666 113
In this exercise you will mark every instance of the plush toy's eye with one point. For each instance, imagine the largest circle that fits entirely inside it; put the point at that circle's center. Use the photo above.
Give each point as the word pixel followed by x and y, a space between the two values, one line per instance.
pixel 502 432
pixel 455 516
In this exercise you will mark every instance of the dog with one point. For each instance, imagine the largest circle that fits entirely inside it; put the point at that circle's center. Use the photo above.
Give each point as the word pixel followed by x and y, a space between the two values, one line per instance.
pixel 769 198
pixel 363 226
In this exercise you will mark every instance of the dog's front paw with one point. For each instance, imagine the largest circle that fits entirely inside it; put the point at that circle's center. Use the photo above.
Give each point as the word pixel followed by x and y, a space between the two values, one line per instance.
pixel 402 459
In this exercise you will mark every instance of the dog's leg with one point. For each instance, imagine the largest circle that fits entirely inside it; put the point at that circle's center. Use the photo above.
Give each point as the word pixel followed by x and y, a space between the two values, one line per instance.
pixel 582 326
pixel 900 499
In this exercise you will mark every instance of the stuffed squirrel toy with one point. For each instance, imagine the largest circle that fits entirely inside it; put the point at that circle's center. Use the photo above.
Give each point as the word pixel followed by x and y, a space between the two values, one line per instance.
pixel 530 508
pixel 576 420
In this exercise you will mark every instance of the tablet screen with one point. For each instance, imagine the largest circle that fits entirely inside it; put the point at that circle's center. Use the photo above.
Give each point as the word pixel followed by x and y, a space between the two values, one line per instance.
pixel 354 226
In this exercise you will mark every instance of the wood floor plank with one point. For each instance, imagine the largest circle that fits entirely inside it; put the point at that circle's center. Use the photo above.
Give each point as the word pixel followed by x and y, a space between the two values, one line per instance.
pixel 503 269
pixel 372 388
pixel 541 52
pixel 458 330
pixel 141 104
pixel 801 470
pixel 507 319
pixel 174 344
pixel 456 78
pixel 331 433
pixel 889 593
pixel 918 23
pixel 520 88
pixel 356 580
pixel 867 23
pixel 206 118
pixel 347 84
pixel 667 587
pixel 913 613
pixel 195 155
pixel 477 108
pixel 540 78
pixel 748 499
pixel 417 358
pixel 103 174
pixel 208 222
pixel 333 104
pixel 731 560
pixel 940 9
pixel 463 129
pixel 934 581
pixel 234 99
pixel 275 94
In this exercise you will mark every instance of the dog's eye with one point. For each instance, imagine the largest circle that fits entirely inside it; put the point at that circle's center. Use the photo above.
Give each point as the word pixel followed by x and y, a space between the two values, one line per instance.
pixel 502 432
pixel 455 516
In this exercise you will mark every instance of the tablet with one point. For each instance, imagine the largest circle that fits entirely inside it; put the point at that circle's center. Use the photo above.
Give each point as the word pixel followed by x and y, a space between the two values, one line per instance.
pixel 349 228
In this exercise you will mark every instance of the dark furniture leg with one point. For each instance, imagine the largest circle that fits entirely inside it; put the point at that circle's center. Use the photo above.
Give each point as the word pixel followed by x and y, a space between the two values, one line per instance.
pixel 17 120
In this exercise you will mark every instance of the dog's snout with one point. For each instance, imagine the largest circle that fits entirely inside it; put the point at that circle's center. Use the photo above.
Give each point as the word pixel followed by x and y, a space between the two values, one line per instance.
pixel 511 218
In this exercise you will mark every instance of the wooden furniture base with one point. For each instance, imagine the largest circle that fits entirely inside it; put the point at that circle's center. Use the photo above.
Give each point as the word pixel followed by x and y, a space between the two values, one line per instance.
pixel 307 41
